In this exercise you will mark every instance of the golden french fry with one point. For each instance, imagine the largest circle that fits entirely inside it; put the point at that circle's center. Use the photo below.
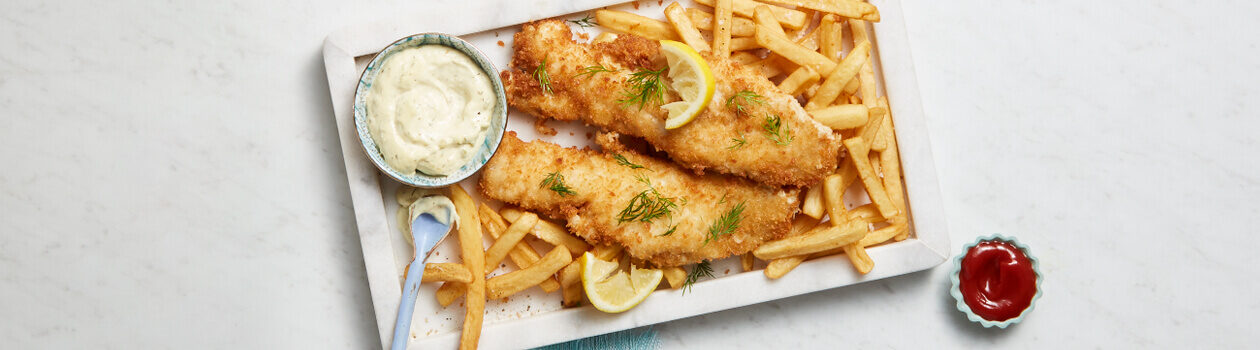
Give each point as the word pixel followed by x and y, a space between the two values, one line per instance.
pixel 789 18
pixel 844 8
pixel 776 268
pixel 676 276
pixel 607 252
pixel 873 158
pixel 785 65
pixel 819 239
pixel 766 67
pixel 739 26
pixel 875 121
pixel 795 82
pixel 852 87
pixel 449 292
pixel 635 24
pixel 677 17
pixel 833 195
pixel 881 142
pixel 825 253
pixel 745 58
pixel 890 160
pixel 840 117
pixel 553 233
pixel 471 250
pixel 802 224
pixel 866 212
pixel 874 188
pixel 490 218
pixel 830 37
pixel 794 52
pixel 746 262
pixel 502 286
pixel 809 40
pixel 550 232
pixel 508 240
pixel 445 272
pixel 812 206
pixel 722 28
pixel 882 235
pixel 857 255
pixel 605 37
pixel 743 44
pixel 848 174
pixel 571 282
pixel 866 75
pixel 523 254
pixel 781 266
pixel 764 18
pixel 837 79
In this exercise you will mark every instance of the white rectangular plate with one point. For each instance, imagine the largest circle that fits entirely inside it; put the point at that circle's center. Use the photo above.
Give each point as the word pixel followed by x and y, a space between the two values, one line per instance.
pixel 533 318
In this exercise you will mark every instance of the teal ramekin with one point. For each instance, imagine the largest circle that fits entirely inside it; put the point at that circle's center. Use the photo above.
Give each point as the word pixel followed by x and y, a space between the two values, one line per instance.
pixel 957 293
pixel 498 120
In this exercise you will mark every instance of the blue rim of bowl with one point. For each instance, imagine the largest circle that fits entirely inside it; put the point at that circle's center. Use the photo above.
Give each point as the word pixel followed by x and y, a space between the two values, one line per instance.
pixel 957 293
pixel 498 119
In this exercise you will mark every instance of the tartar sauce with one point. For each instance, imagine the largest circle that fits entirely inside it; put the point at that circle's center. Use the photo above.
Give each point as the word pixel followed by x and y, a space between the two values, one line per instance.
pixel 429 109
pixel 440 207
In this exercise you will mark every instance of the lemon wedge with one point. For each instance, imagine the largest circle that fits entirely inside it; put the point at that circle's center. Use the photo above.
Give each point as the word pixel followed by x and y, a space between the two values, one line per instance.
pixel 690 76
pixel 613 291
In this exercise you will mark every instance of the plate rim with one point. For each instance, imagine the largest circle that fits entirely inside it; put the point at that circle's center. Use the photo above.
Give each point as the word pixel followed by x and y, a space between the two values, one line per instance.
pixel 922 188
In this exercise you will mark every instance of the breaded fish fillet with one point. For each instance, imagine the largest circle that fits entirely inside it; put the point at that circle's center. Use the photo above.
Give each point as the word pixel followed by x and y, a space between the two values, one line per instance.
pixel 707 143
pixel 602 187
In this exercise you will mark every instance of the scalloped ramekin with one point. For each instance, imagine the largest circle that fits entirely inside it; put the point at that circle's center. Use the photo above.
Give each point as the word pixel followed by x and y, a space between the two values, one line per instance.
pixel 957 293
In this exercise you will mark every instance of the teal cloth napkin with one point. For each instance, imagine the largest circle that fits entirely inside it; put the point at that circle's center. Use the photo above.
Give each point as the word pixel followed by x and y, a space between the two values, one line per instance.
pixel 643 338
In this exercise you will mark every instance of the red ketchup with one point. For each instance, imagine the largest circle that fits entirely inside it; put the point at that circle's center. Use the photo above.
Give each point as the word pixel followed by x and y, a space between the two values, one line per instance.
pixel 997 280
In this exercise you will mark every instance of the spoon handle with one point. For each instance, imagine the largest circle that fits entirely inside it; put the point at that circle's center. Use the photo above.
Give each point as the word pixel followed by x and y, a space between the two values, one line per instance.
pixel 402 327
pixel 426 233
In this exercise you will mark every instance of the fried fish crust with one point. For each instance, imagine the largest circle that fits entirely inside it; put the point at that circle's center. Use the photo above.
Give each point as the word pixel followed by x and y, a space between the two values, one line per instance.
pixel 602 187
pixel 707 143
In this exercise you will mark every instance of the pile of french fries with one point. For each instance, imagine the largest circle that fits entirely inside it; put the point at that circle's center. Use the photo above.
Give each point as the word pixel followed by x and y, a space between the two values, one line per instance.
pixel 801 46
pixel 819 51
pixel 509 227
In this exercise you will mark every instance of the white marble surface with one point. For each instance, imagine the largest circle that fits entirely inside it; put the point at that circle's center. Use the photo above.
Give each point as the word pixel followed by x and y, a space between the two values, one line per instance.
pixel 171 177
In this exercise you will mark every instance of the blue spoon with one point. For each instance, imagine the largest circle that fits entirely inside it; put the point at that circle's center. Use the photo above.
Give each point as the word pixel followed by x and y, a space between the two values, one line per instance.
pixel 426 230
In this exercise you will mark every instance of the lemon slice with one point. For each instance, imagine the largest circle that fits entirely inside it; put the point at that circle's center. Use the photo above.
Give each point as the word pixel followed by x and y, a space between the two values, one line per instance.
pixel 613 291
pixel 690 76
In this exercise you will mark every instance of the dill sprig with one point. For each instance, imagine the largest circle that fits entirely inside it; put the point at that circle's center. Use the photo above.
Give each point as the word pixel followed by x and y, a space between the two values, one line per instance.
pixel 726 224
pixel 644 179
pixel 741 99
pixel 701 269
pixel 590 71
pixel 776 130
pixel 648 205
pixel 736 143
pixel 671 231
pixel 626 162
pixel 555 182
pixel 645 86
pixel 584 22
pixel 540 74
